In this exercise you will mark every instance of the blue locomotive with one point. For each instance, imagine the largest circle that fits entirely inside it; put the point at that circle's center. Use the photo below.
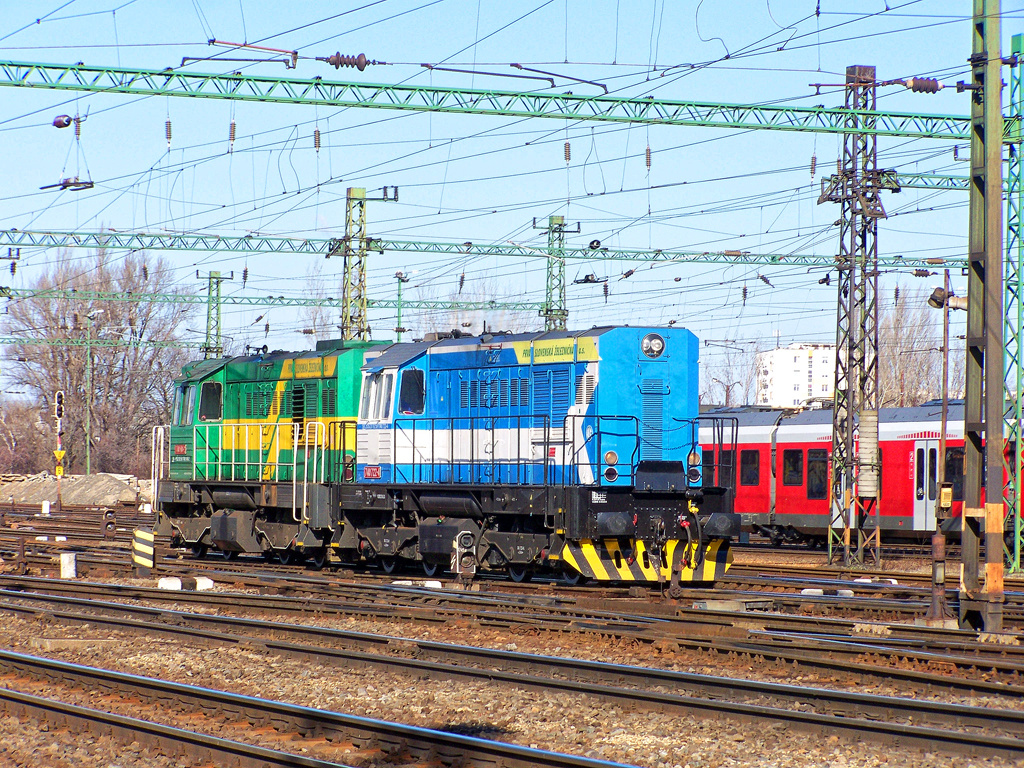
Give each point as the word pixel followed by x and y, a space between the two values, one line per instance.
pixel 577 452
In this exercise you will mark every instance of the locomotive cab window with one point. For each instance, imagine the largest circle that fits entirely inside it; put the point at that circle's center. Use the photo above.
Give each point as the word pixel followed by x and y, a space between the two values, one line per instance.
pixel 184 404
pixel 750 467
pixel 792 466
pixel 376 400
pixel 411 395
pixel 210 402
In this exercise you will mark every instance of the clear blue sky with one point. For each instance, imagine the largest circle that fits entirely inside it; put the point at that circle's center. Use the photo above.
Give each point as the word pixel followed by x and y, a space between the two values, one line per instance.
pixel 485 179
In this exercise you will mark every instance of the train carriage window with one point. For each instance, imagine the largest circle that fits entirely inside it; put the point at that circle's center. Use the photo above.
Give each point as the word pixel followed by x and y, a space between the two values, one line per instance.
pixel 210 403
pixel 412 394
pixel 817 473
pixel 750 467
pixel 792 466
pixel 932 472
pixel 919 475
pixel 727 468
pixel 955 471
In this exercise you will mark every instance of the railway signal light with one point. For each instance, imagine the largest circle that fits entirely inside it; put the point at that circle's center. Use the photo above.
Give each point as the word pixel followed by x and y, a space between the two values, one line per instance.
pixel 58 404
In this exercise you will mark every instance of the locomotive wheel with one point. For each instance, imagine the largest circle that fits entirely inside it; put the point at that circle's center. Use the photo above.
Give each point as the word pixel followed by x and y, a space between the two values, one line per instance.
pixel 571 577
pixel 519 573
pixel 199 550
pixel 318 559
pixel 286 556
pixel 389 564
pixel 431 569
pixel 230 555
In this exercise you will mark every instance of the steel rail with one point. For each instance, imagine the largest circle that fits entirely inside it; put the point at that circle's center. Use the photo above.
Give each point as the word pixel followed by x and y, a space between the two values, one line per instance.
pixel 363 731
pixel 177 622
pixel 168 739
pixel 552 613
pixel 845 710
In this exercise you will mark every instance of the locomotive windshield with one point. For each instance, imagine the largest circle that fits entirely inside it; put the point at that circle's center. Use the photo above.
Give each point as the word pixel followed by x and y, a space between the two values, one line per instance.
pixel 376 402
pixel 184 404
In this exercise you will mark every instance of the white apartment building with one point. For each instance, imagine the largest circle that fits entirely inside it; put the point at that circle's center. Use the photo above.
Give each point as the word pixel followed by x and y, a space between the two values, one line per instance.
pixel 796 375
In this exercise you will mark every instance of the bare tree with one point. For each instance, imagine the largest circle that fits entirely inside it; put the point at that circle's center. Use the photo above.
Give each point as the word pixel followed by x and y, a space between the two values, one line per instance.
pixel 909 352
pixel 318 321
pixel 92 351
pixel 473 320
pixel 26 437
pixel 730 378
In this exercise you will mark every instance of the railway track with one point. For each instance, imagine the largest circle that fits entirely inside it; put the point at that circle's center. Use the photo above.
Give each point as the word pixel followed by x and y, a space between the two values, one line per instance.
pixel 920 658
pixel 799 591
pixel 393 742
pixel 828 592
pixel 912 722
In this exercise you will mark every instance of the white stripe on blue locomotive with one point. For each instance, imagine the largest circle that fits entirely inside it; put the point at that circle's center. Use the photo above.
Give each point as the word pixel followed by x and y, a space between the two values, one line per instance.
pixel 552 408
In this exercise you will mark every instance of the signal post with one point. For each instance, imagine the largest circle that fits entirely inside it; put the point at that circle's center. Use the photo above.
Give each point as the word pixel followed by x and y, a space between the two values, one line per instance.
pixel 58 454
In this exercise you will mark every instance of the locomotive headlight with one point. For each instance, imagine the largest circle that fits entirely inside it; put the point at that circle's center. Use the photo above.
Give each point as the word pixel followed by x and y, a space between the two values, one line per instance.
pixel 611 457
pixel 693 459
pixel 652 345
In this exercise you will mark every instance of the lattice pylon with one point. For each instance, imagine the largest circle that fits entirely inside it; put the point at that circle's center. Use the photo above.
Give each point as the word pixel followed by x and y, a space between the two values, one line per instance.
pixel 354 321
pixel 1013 314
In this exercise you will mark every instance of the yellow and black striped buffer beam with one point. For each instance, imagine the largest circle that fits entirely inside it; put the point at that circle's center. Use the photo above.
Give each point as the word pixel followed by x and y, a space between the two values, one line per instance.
pixel 631 560
pixel 143 548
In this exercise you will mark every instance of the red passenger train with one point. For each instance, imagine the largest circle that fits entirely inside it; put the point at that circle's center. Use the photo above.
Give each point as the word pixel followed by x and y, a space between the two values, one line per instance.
pixel 780 470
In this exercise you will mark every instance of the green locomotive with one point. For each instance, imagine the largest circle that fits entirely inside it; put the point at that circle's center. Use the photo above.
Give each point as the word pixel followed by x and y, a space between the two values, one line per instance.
pixel 254 442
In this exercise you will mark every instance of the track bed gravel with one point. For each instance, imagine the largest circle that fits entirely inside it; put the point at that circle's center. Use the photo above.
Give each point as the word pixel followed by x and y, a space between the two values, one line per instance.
pixel 549 721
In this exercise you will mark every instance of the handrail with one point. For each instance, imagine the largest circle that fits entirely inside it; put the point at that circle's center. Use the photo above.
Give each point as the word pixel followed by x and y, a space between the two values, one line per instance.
pixel 319 439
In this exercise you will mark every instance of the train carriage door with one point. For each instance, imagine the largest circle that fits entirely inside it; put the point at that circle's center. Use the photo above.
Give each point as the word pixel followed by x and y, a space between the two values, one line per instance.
pixel 925 468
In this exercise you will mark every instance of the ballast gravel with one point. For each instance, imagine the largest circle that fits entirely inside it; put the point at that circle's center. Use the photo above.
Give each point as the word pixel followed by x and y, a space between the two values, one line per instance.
pixel 556 721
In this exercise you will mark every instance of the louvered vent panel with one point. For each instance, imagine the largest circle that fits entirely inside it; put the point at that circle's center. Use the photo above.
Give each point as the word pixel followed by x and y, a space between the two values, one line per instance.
pixel 560 391
pixel 542 394
pixel 652 416
pixel 585 389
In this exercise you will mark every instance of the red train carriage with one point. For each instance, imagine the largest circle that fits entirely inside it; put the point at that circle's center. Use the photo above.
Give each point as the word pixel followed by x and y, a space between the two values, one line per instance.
pixel 780 470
